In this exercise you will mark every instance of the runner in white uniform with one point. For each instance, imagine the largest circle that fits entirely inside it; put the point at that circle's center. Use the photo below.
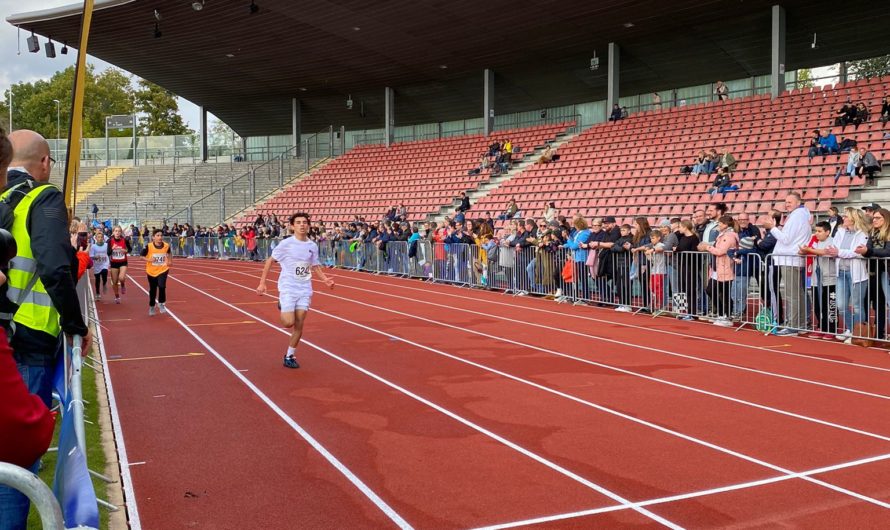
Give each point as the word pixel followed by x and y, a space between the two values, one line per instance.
pixel 99 255
pixel 298 257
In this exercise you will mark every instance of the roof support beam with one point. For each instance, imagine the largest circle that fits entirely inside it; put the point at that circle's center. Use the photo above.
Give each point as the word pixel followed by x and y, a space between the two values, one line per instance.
pixel 777 52
pixel 488 100
pixel 296 118
pixel 203 114
pixel 389 115
pixel 614 67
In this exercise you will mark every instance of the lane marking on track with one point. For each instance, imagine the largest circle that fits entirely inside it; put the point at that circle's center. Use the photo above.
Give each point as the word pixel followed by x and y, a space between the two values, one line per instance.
pixel 603 365
pixel 255 303
pixel 357 482
pixel 131 464
pixel 399 284
pixel 606 339
pixel 152 357
pixel 686 496
pixel 222 323
pixel 570 397
pixel 540 459
pixel 118 319
pixel 123 460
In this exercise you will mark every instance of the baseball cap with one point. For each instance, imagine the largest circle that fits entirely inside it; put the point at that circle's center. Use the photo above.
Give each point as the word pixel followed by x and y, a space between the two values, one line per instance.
pixel 609 219
pixel 872 206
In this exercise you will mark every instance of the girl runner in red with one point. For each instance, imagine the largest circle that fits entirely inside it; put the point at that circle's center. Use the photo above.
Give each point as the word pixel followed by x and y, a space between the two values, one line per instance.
pixel 118 249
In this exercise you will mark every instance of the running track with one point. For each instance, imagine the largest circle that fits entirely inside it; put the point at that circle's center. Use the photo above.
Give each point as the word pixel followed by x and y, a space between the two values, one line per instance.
pixel 428 406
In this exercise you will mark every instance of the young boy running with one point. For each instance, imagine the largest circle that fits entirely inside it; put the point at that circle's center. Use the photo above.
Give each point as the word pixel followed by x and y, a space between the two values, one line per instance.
pixel 298 257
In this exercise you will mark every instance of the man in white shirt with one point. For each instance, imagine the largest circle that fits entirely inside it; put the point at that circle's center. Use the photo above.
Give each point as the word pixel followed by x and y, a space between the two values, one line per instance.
pixel 794 234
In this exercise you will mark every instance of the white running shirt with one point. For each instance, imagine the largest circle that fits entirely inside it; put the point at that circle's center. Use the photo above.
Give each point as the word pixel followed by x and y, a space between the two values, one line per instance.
pixel 296 259
pixel 99 255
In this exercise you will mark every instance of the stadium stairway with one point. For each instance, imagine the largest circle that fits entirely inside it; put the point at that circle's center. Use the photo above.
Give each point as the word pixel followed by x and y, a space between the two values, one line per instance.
pixel 632 167
pixel 423 175
pixel 102 178
pixel 485 188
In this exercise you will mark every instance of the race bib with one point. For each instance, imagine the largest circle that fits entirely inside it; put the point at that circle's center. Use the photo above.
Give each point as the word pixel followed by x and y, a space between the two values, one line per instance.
pixel 159 260
pixel 99 259
pixel 118 254
pixel 303 271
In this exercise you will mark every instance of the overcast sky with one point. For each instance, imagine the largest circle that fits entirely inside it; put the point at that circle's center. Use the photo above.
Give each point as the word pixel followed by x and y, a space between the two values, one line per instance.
pixel 24 66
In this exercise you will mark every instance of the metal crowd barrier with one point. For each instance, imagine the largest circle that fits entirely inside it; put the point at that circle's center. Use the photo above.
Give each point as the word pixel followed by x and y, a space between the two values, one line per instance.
pixel 840 297
pixel 39 494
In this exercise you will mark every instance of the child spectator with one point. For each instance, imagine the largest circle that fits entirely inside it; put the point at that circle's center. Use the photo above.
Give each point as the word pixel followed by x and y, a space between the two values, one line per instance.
pixel 621 258
pixel 823 279
pixel 657 268
pixel 724 268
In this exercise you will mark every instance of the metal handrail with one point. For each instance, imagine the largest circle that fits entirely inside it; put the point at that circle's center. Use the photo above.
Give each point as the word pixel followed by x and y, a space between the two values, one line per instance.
pixel 40 495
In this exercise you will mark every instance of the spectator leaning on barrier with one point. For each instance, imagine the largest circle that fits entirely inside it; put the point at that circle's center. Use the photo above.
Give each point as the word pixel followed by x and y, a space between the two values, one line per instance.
pixel 852 270
pixel 878 247
pixel 723 268
pixel 789 239
pixel 823 276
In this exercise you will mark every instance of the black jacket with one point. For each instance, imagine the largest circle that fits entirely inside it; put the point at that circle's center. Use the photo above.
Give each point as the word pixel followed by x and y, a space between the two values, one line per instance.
pixel 47 225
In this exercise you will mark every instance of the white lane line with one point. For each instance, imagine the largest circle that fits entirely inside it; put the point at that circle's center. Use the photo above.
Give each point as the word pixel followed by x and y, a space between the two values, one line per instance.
pixel 357 482
pixel 595 363
pixel 568 314
pixel 478 428
pixel 619 342
pixel 557 393
pixel 123 460
pixel 685 496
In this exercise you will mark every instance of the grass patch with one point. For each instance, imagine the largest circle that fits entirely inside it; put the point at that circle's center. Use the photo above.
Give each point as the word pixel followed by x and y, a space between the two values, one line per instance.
pixel 95 454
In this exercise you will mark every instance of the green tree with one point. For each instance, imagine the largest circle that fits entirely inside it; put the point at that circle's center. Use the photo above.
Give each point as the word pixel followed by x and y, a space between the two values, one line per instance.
pixel 221 138
pixel 34 107
pixel 159 111
pixel 869 68
pixel 805 78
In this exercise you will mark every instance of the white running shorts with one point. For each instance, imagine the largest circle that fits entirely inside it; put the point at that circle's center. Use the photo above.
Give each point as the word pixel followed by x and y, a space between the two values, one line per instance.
pixel 290 302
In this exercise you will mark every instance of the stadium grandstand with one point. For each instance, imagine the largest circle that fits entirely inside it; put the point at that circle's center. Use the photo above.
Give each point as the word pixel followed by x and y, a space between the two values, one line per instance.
pixel 513 205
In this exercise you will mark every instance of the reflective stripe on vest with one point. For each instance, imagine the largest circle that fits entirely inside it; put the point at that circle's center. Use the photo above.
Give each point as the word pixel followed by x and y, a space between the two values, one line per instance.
pixel 26 290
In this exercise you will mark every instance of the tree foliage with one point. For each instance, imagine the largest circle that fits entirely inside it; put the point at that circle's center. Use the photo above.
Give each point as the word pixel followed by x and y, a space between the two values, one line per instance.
pixel 805 78
pixel 106 93
pixel 869 68
pixel 159 111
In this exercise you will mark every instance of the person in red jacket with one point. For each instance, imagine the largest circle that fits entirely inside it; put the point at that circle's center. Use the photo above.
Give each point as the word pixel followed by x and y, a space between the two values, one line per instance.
pixel 26 430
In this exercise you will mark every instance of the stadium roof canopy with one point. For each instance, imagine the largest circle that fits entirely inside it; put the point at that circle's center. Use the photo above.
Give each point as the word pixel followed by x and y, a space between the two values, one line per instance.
pixel 245 68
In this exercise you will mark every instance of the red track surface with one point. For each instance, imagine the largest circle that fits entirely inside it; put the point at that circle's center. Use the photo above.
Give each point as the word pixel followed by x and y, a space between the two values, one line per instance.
pixel 458 408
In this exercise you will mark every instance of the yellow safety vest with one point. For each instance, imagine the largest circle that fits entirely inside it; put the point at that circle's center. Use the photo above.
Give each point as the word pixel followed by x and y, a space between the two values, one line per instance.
pixel 26 290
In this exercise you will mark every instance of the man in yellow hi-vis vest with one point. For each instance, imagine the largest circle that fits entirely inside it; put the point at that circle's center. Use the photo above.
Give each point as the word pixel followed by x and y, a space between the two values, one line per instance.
pixel 41 280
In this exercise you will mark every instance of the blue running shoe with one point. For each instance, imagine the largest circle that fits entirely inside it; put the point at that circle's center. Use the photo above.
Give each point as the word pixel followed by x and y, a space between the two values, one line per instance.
pixel 291 362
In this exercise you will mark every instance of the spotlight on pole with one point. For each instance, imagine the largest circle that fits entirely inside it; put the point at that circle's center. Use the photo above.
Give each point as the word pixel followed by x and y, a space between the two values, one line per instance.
pixel 64 49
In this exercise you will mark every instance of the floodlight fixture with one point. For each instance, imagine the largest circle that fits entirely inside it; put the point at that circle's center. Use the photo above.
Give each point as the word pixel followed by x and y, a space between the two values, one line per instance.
pixel 50 49
pixel 197 6
pixel 33 43
pixel 64 49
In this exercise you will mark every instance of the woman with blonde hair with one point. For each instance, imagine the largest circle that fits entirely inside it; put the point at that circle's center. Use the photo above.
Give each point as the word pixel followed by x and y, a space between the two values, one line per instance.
pixel 852 269
pixel 878 247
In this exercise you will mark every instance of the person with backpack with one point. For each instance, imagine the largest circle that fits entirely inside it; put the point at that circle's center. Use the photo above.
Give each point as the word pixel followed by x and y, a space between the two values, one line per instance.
pixel 41 299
